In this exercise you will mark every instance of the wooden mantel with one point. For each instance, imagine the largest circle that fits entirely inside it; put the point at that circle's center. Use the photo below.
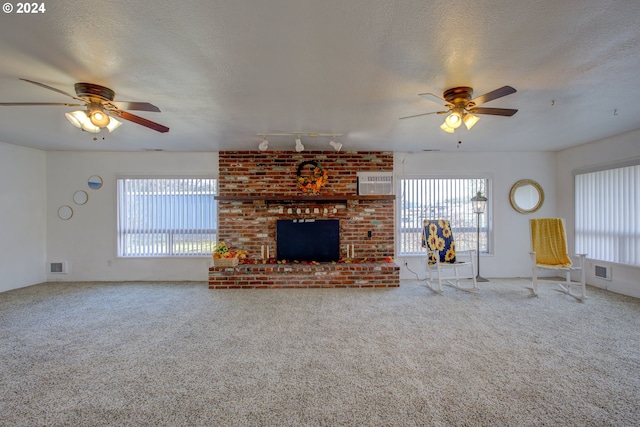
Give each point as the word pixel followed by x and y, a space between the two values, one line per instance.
pixel 283 198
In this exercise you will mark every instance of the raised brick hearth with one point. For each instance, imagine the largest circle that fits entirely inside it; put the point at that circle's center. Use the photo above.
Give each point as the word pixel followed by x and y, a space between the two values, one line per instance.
pixel 258 188
pixel 324 275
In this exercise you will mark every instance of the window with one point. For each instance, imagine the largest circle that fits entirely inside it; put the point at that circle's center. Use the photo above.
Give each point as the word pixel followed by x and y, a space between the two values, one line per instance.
pixel 442 198
pixel 607 214
pixel 166 216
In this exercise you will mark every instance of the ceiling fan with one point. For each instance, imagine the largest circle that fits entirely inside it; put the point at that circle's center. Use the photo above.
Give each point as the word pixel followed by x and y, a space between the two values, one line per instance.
pixel 101 109
pixel 462 108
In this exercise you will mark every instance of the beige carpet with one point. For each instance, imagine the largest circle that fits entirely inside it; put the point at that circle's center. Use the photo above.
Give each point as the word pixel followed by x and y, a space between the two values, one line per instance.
pixel 179 354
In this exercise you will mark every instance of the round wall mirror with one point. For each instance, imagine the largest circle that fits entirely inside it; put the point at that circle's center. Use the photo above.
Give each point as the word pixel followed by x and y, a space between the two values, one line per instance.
pixel 80 197
pixel 65 212
pixel 94 182
pixel 526 196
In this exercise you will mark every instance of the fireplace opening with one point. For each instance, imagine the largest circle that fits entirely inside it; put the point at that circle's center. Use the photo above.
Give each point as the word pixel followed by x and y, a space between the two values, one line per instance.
pixel 308 240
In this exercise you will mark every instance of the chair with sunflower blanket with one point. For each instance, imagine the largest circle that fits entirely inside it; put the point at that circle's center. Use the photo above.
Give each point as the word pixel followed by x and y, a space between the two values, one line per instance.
pixel 437 239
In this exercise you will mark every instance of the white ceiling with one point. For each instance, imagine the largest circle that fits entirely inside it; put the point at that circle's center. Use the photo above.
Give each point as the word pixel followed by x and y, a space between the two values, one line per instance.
pixel 223 71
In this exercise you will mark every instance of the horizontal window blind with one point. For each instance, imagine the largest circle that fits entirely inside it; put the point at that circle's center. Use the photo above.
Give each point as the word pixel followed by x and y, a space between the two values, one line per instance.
pixel 441 198
pixel 607 214
pixel 166 216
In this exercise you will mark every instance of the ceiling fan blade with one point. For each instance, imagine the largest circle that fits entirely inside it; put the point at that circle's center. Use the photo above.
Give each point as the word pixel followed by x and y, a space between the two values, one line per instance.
pixel 507 112
pixel 26 104
pixel 495 94
pixel 54 89
pixel 139 120
pixel 424 114
pixel 140 106
pixel 433 97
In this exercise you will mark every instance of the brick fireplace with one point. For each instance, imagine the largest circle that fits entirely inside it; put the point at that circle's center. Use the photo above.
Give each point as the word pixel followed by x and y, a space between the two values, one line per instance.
pixel 257 189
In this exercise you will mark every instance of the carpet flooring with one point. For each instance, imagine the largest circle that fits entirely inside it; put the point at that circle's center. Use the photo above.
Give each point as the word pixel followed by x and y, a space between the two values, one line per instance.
pixel 179 354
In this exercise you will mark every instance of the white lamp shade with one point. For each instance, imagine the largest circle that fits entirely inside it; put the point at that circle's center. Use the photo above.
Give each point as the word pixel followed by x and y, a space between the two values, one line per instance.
pixel 446 128
pixel 76 118
pixel 113 124
pixel 454 120
pixel 470 120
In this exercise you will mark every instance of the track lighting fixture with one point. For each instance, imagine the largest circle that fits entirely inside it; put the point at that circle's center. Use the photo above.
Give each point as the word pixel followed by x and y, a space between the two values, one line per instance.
pixel 263 145
pixel 299 147
pixel 336 145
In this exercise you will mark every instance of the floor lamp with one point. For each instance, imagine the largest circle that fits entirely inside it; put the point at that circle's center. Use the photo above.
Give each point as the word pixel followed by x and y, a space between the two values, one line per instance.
pixel 479 206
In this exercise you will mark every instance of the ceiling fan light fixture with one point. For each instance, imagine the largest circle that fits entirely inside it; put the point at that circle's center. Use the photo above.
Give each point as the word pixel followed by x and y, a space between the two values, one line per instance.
pixel 446 127
pixel 299 146
pixel 470 120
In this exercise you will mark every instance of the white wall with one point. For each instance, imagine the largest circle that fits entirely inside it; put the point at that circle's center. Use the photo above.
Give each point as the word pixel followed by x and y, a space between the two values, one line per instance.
pixel 618 148
pixel 87 242
pixel 22 212
pixel 511 241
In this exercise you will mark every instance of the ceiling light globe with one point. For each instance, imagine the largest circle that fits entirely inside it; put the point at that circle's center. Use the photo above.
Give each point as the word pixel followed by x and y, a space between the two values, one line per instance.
pixel 453 120
pixel 99 118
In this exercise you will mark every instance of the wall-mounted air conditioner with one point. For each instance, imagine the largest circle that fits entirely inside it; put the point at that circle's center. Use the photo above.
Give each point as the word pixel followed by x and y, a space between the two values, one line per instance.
pixel 375 183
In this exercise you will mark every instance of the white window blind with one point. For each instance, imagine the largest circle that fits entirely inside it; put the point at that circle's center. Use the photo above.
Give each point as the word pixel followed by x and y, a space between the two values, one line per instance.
pixel 442 198
pixel 166 216
pixel 607 214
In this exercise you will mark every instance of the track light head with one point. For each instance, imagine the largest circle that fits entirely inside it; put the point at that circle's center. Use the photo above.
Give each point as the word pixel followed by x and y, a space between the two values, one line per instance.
pixel 299 146
pixel 263 145
pixel 336 145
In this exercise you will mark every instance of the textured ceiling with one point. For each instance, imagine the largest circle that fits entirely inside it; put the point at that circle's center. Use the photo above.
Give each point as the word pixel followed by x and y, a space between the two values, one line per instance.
pixel 224 71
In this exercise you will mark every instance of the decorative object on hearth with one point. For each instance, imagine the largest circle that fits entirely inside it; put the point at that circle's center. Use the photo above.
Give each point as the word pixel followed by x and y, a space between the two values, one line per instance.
pixel 311 184
pixel 225 257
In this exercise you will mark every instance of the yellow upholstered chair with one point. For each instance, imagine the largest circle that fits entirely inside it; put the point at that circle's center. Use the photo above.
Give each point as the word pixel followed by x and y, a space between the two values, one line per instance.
pixel 549 252
pixel 442 257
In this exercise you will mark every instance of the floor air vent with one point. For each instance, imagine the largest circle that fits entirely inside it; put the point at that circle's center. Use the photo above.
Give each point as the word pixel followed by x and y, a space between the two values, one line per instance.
pixel 603 272
pixel 58 267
